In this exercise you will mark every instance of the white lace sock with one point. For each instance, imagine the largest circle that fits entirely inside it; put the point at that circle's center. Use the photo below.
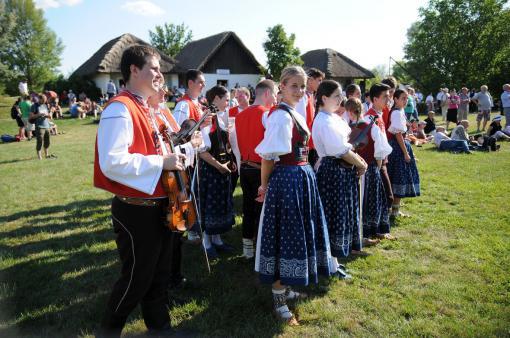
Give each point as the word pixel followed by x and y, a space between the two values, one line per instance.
pixel 216 239
pixel 280 304
pixel 248 250
pixel 207 241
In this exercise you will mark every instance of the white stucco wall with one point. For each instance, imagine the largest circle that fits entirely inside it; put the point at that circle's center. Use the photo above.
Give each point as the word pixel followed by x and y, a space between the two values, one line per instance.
pixel 242 79
pixel 102 79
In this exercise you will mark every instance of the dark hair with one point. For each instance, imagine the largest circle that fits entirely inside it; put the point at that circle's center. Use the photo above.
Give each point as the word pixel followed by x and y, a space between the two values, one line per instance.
pixel 264 85
pixel 390 81
pixel 397 94
pixel 217 90
pixel 367 94
pixel 192 75
pixel 135 55
pixel 326 88
pixel 377 89
pixel 315 73
pixel 349 91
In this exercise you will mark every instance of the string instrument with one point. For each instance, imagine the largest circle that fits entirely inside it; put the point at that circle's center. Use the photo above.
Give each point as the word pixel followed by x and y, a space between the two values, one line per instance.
pixel 221 149
pixel 182 211
pixel 358 138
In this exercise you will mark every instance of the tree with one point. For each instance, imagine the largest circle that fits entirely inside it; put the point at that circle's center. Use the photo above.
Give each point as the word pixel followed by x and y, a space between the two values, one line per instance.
pixel 459 43
pixel 33 51
pixel 7 22
pixel 170 38
pixel 280 50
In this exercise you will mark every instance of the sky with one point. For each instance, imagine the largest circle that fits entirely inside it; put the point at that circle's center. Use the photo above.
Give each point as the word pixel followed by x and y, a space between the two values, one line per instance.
pixel 367 31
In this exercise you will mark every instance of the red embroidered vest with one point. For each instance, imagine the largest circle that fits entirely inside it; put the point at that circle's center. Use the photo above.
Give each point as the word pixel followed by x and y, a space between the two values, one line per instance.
pixel 143 143
pixel 299 153
pixel 195 113
pixel 250 132
pixel 367 151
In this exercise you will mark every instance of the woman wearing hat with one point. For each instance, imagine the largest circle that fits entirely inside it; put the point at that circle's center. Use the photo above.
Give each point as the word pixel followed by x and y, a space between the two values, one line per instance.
pixel 495 129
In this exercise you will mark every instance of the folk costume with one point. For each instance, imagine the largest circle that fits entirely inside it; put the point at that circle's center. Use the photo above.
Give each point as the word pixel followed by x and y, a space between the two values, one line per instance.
pixel 215 188
pixel 375 208
pixel 382 120
pixel 292 242
pixel 338 183
pixel 306 107
pixel 249 130
pixel 187 108
pixel 404 177
pixel 128 163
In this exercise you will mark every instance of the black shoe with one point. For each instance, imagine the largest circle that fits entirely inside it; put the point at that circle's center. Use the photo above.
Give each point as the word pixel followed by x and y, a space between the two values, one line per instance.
pixel 178 282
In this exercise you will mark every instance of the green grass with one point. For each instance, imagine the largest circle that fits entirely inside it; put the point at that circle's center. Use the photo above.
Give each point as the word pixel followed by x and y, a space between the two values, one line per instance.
pixel 447 275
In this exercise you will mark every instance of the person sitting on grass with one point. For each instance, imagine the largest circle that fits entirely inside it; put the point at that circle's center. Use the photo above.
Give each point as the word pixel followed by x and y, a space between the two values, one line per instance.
pixel 430 122
pixel 444 143
pixel 495 129
pixel 420 134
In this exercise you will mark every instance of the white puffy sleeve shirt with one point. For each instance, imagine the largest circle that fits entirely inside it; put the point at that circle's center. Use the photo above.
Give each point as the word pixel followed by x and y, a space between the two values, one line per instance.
pixel 181 111
pixel 114 137
pixel 381 146
pixel 398 122
pixel 278 134
pixel 330 135
pixel 223 122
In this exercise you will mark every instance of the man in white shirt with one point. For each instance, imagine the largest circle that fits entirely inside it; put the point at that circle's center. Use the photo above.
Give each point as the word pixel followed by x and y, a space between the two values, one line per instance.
pixel 129 161
pixel 188 106
pixel 23 87
pixel 505 104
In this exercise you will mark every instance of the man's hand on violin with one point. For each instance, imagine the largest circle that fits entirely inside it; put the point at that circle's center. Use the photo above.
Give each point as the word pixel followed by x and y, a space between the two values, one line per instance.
pixel 196 139
pixel 207 122
pixel 174 162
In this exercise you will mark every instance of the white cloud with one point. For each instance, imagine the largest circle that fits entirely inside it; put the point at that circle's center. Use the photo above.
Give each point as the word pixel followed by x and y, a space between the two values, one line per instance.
pixel 143 7
pixel 45 4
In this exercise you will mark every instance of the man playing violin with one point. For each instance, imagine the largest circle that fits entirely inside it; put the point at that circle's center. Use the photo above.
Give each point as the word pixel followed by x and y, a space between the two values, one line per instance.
pixel 130 156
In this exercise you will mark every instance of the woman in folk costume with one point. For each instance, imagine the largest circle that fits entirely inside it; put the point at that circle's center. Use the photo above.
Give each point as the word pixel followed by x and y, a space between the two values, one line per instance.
pixel 375 216
pixel 292 243
pixel 337 175
pixel 216 200
pixel 404 177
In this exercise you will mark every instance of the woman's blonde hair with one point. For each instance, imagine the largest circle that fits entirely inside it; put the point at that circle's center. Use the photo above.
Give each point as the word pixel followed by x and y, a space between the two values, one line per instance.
pixel 291 71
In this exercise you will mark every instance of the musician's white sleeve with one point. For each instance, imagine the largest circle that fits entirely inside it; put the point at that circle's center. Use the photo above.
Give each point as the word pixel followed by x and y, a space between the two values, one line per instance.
pixel 114 137
pixel 381 146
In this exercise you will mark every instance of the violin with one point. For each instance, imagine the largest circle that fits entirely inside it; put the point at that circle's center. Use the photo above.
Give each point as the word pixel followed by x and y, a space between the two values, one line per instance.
pixel 182 211
pixel 221 149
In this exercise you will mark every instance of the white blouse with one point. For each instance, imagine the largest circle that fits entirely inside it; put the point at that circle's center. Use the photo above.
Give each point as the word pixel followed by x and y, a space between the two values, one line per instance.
pixel 278 135
pixel 398 122
pixel 330 135
pixel 223 122
pixel 114 137
pixel 381 146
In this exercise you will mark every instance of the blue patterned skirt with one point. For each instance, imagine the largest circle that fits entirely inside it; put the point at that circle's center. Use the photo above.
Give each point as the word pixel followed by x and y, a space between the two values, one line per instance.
pixel 376 218
pixel 292 243
pixel 216 200
pixel 338 189
pixel 404 177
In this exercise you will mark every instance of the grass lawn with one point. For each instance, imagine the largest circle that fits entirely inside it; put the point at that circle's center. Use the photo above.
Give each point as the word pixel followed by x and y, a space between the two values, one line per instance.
pixel 446 275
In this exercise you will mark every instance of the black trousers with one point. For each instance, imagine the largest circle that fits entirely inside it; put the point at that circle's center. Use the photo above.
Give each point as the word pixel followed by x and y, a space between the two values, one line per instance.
pixel 250 183
pixel 144 247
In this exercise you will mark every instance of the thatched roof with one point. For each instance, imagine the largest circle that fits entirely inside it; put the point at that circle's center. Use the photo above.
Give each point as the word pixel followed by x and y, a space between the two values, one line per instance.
pixel 107 58
pixel 334 64
pixel 196 54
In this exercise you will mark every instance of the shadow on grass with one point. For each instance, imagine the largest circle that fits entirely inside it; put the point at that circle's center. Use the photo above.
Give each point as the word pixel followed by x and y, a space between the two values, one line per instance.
pixel 60 264
pixel 17 160
pixel 53 281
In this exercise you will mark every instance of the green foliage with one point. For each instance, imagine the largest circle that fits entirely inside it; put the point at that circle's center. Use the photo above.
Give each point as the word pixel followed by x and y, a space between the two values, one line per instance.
pixel 280 50
pixel 33 50
pixel 170 38
pixel 77 83
pixel 7 22
pixel 380 72
pixel 460 43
